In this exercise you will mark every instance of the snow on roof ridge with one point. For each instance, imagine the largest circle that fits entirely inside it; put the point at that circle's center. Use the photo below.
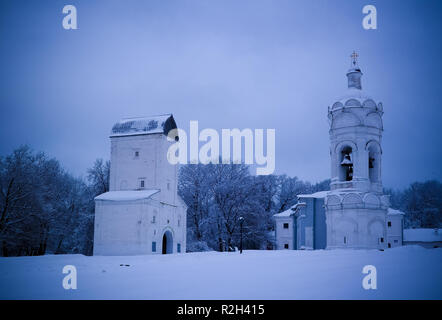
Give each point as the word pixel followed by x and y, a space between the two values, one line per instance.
pixel 127 195
pixel 286 213
pixel 392 211
pixel 423 235
pixel 145 117
pixel 317 195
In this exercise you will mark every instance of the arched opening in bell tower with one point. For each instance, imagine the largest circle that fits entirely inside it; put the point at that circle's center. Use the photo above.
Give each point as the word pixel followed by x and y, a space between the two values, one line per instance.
pixel 346 164
pixel 374 163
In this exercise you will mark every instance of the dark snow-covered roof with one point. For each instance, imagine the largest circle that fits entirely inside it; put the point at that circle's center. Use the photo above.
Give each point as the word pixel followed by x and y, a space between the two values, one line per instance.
pixel 144 125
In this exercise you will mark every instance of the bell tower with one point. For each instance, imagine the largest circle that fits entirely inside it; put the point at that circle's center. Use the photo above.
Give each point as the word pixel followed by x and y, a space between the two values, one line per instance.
pixel 355 137
pixel 356 207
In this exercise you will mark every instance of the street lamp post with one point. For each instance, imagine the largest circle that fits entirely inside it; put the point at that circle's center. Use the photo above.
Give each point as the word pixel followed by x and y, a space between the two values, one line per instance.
pixel 241 221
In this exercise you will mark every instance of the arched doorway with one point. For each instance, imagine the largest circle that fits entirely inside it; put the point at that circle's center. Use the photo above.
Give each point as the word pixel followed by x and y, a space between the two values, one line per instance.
pixel 167 242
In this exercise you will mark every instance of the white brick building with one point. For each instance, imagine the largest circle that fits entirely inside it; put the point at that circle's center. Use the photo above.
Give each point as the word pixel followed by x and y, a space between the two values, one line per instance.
pixel 142 213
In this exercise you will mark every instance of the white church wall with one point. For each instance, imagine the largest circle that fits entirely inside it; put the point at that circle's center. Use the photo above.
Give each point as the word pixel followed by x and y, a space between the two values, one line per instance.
pixel 122 228
pixel 172 218
pixel 359 228
pixel 129 228
pixel 143 158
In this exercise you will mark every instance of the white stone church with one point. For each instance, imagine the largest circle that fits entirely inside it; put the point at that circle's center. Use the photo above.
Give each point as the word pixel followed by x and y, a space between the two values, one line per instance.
pixel 354 213
pixel 142 213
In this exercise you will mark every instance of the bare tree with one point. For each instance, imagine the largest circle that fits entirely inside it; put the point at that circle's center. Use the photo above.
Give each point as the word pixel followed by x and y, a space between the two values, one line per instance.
pixel 98 176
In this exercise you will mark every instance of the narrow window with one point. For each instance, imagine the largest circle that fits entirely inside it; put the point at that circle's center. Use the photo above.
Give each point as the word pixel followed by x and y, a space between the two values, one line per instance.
pixel 142 183
pixel 153 219
pixel 168 186
pixel 370 163
pixel 154 247
pixel 137 153
pixel 371 168
pixel 345 240
pixel 178 247
pixel 286 225
pixel 389 245
pixel 389 223
pixel 286 245
pixel 382 240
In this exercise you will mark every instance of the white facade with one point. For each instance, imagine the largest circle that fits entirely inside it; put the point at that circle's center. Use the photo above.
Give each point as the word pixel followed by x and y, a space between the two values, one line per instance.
pixel 395 228
pixel 142 213
pixel 356 208
pixel 284 230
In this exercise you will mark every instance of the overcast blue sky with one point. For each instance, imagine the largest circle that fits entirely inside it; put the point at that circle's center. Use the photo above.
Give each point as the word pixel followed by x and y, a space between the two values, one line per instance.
pixel 228 64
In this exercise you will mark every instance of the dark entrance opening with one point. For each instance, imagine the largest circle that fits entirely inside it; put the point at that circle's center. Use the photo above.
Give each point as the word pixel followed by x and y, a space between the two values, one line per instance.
pixel 167 242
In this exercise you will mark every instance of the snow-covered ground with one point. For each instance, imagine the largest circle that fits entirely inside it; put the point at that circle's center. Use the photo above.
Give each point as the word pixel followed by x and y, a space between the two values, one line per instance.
pixel 402 273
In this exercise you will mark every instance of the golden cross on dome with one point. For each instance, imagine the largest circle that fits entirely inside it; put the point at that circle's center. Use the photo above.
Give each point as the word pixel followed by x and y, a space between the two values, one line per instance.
pixel 354 56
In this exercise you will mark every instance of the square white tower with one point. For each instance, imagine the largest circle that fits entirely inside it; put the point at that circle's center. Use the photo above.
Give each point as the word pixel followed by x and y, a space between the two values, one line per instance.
pixel 142 213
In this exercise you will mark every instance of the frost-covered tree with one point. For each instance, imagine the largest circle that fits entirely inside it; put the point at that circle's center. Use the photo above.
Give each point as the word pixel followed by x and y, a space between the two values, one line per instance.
pixel 218 195
pixel 21 226
pixel 98 176
pixel 421 203
pixel 290 188
pixel 43 209
pixel 234 195
pixel 193 188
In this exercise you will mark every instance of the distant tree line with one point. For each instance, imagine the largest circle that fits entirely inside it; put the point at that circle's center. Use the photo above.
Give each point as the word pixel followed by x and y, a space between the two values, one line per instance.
pixel 46 210
pixel 421 202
